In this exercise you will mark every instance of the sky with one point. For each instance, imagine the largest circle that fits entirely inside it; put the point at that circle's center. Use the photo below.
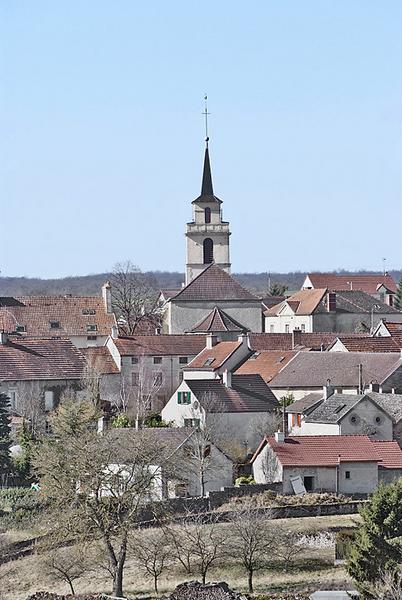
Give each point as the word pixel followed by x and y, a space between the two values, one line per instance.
pixel 102 134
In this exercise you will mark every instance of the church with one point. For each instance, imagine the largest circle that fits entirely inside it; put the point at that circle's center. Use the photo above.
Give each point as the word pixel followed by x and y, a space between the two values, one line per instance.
pixel 211 301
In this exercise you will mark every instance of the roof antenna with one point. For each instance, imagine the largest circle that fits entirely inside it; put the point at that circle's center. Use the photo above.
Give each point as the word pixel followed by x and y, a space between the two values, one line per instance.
pixel 206 113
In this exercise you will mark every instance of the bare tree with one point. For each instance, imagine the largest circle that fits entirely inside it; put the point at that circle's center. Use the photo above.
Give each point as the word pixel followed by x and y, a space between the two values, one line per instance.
pixel 30 404
pixel 252 540
pixel 66 564
pixel 289 545
pixel 152 551
pixel 389 586
pixel 133 297
pixel 199 542
pixel 94 485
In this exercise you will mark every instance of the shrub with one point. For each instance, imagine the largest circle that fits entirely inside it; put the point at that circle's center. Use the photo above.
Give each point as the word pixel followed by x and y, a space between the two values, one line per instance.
pixel 244 479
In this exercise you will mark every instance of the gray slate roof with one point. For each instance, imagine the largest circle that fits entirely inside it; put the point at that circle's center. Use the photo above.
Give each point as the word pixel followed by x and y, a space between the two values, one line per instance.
pixel 356 301
pixel 313 369
pixel 249 393
pixel 334 408
pixel 304 404
pixel 390 403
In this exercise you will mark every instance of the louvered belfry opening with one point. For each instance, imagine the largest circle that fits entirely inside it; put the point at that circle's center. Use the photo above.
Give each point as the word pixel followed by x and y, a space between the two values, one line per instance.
pixel 208 251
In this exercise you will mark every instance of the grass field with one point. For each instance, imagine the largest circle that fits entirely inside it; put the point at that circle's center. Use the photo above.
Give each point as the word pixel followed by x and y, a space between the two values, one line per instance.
pixel 313 569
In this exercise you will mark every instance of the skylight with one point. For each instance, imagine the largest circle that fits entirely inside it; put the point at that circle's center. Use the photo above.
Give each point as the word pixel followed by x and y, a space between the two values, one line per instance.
pixel 208 362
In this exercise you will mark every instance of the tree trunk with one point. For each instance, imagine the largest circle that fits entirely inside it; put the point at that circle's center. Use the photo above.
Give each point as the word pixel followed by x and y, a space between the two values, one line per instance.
pixel 156 583
pixel 70 583
pixel 204 577
pixel 118 580
pixel 250 581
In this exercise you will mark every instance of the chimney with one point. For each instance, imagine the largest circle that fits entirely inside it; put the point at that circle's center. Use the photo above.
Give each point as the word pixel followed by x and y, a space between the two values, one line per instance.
pixel 374 387
pixel 3 338
pixel 227 378
pixel 296 338
pixel 211 341
pixel 331 302
pixel 115 332
pixel 103 424
pixel 328 390
pixel 279 437
pixel 107 296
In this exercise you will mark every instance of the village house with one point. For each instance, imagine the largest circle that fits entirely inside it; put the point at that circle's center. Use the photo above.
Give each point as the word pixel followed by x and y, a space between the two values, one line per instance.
pixel 319 309
pixel 184 472
pixel 381 286
pixel 389 329
pixel 213 396
pixel 84 320
pixel 348 373
pixel 375 414
pixel 152 366
pixel 345 343
pixel 35 372
pixel 342 464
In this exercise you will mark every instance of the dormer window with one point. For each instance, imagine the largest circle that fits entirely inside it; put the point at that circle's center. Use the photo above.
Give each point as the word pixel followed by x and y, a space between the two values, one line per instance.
pixel 207 213
pixel 21 328
pixel 54 324
pixel 92 327
pixel 88 311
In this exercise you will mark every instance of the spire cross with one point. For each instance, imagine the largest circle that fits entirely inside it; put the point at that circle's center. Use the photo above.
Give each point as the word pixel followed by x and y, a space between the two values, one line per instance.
pixel 206 113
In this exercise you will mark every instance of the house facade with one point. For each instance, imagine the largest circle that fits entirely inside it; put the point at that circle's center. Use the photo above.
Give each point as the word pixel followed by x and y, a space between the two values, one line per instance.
pixel 381 286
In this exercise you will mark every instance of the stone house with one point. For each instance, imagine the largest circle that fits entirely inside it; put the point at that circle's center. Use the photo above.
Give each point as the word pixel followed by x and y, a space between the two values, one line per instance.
pixel 152 366
pixel 313 310
pixel 381 286
pixel 85 321
pixel 234 407
pixel 35 372
pixel 347 372
pixel 344 464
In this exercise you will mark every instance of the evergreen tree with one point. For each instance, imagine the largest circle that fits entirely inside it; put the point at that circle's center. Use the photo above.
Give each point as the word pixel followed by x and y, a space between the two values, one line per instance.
pixel 398 297
pixel 5 430
pixel 277 289
pixel 377 548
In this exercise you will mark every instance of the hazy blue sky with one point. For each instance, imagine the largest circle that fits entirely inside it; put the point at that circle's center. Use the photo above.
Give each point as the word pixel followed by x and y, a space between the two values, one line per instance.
pixel 101 132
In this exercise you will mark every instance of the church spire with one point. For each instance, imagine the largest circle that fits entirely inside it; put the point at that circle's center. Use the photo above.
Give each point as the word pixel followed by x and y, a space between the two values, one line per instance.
pixel 206 187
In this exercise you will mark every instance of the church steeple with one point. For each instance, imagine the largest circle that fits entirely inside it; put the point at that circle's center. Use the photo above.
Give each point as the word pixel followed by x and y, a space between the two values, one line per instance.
pixel 206 187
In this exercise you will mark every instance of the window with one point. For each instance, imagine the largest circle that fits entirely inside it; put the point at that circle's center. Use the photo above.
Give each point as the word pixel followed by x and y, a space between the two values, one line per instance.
pixel 207 213
pixel 91 338
pixel 135 378
pixel 183 360
pixel 378 420
pixel 271 328
pixel 183 397
pixel 191 422
pixel 286 328
pixel 21 328
pixel 54 324
pixel 157 360
pixel 134 360
pixel 158 378
pixel 347 474
pixel 88 311
pixel 208 246
pixel 92 327
pixel 208 362
pixel 303 327
pixel 49 400
pixel 181 376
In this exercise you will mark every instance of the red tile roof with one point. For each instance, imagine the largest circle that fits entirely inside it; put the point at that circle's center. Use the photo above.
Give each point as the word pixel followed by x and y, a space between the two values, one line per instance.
pixel 266 363
pixel 211 359
pixel 283 341
pixel 365 283
pixel 74 315
pixel 369 344
pixel 100 359
pixel 40 359
pixel 395 329
pixel 160 345
pixel 304 302
pixel 217 321
pixel 213 284
pixel 390 454
pixel 322 450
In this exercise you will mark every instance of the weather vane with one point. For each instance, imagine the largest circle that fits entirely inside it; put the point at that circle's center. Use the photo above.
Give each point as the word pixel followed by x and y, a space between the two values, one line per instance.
pixel 206 113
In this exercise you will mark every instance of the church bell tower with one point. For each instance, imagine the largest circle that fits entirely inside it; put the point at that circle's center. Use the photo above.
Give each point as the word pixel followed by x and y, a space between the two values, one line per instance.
pixel 207 234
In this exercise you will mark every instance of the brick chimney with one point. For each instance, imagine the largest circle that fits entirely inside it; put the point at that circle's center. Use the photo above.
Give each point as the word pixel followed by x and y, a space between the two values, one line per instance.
pixel 331 302
pixel 107 296
pixel 296 338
